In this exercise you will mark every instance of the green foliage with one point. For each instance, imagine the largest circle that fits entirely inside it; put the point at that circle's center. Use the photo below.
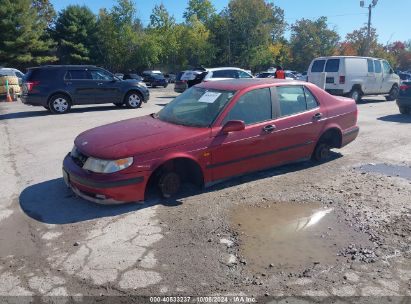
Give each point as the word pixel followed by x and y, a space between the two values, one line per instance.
pixel 24 39
pixel 75 35
pixel 311 39
pixel 202 9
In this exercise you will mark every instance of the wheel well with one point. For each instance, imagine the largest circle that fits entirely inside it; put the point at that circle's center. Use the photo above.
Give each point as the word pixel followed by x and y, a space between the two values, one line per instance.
pixel 133 90
pixel 59 93
pixel 356 86
pixel 333 137
pixel 187 168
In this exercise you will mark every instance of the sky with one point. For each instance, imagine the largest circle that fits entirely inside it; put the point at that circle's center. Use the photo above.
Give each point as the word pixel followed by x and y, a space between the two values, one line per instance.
pixel 388 17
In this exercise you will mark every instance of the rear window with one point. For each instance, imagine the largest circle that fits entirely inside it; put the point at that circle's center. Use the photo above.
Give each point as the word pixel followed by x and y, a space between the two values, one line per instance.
pixel 333 65
pixel 41 74
pixel 318 66
pixel 6 73
pixel 178 77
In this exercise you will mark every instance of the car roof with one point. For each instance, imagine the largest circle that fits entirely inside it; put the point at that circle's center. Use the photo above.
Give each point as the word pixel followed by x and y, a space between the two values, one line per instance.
pixel 342 57
pixel 62 66
pixel 223 68
pixel 239 84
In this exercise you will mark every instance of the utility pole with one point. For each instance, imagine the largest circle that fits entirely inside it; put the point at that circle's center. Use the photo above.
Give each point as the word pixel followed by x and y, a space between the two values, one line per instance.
pixel 370 7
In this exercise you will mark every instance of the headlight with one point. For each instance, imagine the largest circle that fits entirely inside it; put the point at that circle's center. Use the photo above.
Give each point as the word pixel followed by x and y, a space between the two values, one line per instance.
pixel 142 84
pixel 107 166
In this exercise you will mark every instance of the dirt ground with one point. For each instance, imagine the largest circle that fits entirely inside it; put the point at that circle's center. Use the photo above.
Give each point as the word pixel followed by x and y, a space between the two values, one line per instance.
pixel 301 233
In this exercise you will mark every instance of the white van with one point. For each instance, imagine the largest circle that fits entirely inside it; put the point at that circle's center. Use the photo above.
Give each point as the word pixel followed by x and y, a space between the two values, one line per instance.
pixel 354 76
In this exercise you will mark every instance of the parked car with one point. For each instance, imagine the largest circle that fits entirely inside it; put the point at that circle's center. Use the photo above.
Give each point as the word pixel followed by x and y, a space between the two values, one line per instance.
pixel 302 76
pixel 404 76
pixel 213 131
pixel 355 76
pixel 198 75
pixel 180 85
pixel 171 78
pixel 155 80
pixel 404 98
pixel 133 76
pixel 59 87
pixel 12 72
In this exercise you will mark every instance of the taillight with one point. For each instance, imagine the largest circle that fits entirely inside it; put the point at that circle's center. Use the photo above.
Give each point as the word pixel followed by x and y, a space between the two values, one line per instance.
pixel 404 87
pixel 31 85
pixel 342 79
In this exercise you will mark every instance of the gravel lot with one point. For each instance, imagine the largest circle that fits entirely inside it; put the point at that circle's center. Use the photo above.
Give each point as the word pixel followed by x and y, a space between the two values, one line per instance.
pixel 212 242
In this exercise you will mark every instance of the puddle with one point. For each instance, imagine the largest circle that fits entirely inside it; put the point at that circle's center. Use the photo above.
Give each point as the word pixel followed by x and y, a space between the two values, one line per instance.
pixel 388 170
pixel 291 235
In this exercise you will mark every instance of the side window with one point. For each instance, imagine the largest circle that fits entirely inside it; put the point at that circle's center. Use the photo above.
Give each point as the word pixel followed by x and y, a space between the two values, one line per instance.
pixel 333 65
pixel 291 100
pixel 318 66
pixel 386 66
pixel 77 75
pixel 242 74
pixel 310 99
pixel 377 65
pixel 101 75
pixel 370 66
pixel 220 74
pixel 253 107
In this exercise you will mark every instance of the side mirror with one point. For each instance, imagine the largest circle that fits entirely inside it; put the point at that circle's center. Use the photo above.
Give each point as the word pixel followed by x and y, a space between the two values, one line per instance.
pixel 233 126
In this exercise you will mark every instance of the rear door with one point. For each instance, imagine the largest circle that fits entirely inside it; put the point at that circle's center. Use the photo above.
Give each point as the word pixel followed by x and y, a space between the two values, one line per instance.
pixel 315 73
pixel 299 123
pixel 79 83
pixel 247 150
pixel 107 88
pixel 332 68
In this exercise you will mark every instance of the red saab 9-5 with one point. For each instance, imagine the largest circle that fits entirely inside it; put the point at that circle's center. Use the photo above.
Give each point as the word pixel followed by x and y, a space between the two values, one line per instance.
pixel 211 132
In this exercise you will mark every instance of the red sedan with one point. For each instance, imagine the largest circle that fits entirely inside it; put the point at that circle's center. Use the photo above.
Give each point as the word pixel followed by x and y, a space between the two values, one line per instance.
pixel 211 132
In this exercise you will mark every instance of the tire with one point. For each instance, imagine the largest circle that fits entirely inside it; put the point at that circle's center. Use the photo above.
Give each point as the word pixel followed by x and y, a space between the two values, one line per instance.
pixel 404 111
pixel 321 151
pixel 59 104
pixel 165 86
pixel 133 100
pixel 394 92
pixel 169 184
pixel 119 105
pixel 355 94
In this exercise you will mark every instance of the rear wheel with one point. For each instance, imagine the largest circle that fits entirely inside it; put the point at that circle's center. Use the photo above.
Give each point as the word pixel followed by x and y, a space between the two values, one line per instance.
pixel 133 100
pixel 404 110
pixel 355 94
pixel 169 184
pixel 59 104
pixel 393 93
pixel 321 151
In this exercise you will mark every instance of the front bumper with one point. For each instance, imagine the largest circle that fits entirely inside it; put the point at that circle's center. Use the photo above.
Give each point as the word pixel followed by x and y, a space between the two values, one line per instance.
pixel 104 188
pixel 404 102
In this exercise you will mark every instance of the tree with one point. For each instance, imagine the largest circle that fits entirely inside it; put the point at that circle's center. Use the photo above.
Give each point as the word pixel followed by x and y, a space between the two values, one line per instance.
pixel 202 9
pixel 75 35
pixel 23 37
pixel 311 39
pixel 118 31
pixel 358 39
pixel 244 27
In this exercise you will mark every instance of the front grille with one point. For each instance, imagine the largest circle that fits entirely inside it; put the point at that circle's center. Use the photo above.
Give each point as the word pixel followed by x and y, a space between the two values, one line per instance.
pixel 78 157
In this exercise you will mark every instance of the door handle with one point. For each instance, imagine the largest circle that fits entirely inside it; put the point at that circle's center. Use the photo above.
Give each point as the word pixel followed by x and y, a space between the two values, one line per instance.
pixel 269 128
pixel 317 116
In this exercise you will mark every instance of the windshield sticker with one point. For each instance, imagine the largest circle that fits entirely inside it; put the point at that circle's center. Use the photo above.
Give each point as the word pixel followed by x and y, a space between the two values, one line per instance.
pixel 209 97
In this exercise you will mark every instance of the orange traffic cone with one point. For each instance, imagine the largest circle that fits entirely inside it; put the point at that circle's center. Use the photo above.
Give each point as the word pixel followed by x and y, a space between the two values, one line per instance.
pixel 8 98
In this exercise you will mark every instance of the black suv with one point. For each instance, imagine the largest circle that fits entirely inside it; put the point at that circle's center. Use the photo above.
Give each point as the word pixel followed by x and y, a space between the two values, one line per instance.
pixel 155 80
pixel 58 87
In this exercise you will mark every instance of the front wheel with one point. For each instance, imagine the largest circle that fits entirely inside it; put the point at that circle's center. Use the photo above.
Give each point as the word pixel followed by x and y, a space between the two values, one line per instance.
pixel 133 100
pixel 169 184
pixel 59 104
pixel 393 95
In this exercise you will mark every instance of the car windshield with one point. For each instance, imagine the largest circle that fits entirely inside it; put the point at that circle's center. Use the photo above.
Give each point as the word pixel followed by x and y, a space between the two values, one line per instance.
pixel 196 107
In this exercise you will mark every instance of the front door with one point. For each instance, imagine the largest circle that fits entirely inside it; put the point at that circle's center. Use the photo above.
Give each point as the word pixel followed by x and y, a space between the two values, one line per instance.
pixel 244 151
pixel 107 87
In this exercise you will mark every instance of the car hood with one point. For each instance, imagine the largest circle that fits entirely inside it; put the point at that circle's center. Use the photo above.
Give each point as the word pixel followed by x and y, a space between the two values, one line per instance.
pixel 135 136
